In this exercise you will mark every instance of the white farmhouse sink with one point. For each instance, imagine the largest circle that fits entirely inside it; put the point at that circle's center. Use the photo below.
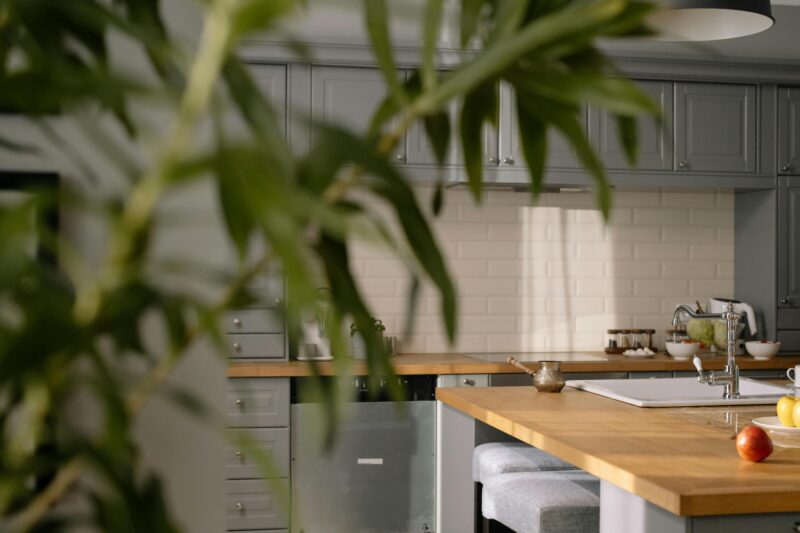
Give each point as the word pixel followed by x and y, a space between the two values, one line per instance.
pixel 678 392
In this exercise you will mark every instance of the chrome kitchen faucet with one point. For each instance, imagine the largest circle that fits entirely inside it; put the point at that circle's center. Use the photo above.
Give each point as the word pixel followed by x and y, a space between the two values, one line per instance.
pixel 729 376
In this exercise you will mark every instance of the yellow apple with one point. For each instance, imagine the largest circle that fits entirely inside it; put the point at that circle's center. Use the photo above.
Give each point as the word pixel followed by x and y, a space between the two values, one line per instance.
pixel 785 409
pixel 796 414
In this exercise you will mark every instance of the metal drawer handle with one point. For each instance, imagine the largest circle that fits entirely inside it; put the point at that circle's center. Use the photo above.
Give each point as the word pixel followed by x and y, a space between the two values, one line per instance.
pixel 239 455
pixel 682 164
pixel 469 382
pixel 785 301
pixel 493 160
pixel 278 302
pixel 785 168
pixel 239 403
pixel 239 506
pixel 237 323
pixel 796 527
pixel 508 161
pixel 399 157
pixel 237 347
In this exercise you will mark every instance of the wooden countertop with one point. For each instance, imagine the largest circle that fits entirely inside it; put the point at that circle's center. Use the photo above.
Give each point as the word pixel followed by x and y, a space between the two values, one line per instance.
pixel 455 363
pixel 681 459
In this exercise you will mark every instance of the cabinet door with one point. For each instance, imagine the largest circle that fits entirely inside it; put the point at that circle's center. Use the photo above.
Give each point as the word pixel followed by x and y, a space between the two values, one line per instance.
pixel 419 150
pixel 271 79
pixel 655 141
pixel 715 127
pixel 789 131
pixel 560 154
pixel 789 242
pixel 349 96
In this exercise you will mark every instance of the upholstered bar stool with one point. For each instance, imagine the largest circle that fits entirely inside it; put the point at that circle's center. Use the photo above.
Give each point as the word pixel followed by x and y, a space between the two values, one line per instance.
pixel 566 501
pixel 495 458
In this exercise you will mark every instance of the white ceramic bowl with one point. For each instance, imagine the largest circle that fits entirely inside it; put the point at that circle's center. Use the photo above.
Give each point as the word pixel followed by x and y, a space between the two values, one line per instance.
pixel 762 350
pixel 682 350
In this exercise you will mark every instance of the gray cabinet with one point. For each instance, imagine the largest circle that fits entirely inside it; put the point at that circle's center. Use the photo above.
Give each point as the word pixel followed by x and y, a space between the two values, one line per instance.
pixel 715 128
pixel 789 131
pixel 788 294
pixel 560 154
pixel 655 140
pixel 348 96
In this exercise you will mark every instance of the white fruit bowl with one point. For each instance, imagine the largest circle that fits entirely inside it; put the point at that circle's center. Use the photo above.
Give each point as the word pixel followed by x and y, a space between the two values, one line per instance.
pixel 682 350
pixel 762 350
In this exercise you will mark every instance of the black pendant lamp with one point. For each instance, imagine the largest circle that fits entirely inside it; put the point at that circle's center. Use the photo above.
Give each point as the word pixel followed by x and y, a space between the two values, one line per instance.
pixel 710 20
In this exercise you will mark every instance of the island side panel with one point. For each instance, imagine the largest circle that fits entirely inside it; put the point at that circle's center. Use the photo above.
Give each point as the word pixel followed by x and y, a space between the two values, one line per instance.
pixel 455 489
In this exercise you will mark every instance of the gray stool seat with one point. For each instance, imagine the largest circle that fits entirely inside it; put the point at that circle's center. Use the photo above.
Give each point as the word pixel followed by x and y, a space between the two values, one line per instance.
pixel 544 502
pixel 502 457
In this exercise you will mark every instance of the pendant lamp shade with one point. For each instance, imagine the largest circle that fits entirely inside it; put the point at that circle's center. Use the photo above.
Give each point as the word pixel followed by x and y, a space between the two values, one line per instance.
pixel 710 20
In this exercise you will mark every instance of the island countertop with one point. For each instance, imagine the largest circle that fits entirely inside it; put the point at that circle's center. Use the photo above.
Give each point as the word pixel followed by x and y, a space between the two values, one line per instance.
pixel 494 363
pixel 683 460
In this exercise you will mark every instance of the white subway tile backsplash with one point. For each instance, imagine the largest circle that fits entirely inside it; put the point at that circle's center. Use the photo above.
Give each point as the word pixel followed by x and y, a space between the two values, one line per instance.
pixel 660 217
pixel 554 276
pixel 689 234
pixel 662 252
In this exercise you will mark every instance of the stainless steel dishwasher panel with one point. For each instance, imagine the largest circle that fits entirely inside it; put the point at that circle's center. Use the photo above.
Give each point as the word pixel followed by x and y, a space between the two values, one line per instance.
pixel 378 477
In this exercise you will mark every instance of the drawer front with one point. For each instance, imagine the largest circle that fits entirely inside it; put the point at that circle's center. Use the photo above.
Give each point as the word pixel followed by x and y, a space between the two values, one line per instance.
pixel 275 442
pixel 257 402
pixel 253 321
pixel 253 504
pixel 256 346
pixel 788 318
pixel 790 340
pixel 463 380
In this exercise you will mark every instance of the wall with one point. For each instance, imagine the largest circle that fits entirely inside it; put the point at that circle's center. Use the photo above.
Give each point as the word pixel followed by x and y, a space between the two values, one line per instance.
pixel 553 276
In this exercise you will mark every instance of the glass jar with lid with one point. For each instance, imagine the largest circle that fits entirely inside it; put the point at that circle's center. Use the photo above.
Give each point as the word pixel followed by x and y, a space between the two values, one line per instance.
pixel 625 338
pixel 612 338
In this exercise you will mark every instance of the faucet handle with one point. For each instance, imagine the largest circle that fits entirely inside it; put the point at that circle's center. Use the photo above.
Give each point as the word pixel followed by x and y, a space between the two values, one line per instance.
pixel 698 364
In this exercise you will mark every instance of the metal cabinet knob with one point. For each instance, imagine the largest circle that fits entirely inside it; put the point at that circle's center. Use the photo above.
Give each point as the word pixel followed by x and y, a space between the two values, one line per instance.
pixel 796 527
pixel 785 168
pixel 682 164
pixel 239 403
pixel 239 454
pixel 493 160
pixel 785 301
pixel 278 302
pixel 469 382
pixel 399 157
pixel 237 323
pixel 237 347
pixel 508 161
pixel 239 506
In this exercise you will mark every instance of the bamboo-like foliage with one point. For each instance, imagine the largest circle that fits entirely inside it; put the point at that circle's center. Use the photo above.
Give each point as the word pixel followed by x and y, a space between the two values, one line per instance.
pixel 61 335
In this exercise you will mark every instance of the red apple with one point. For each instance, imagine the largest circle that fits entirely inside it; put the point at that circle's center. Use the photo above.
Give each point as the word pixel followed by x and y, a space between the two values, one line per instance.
pixel 753 444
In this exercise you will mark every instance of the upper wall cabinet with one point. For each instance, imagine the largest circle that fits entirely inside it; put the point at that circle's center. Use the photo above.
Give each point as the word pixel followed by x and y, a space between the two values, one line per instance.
pixel 789 131
pixel 715 127
pixel 655 140
pixel 271 79
pixel 349 96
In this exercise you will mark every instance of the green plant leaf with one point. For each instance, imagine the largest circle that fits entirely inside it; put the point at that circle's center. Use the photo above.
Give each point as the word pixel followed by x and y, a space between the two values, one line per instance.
pixel 469 18
pixel 627 130
pixel 258 15
pixel 533 140
pixel 478 105
pixel 565 119
pixel 437 128
pixel 377 18
pixel 430 34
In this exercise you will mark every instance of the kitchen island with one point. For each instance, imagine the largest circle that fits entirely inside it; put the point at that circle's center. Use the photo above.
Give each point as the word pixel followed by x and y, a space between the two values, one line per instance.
pixel 661 470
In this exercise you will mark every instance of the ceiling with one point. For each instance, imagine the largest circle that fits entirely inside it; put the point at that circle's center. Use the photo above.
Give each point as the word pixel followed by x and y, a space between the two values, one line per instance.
pixel 781 43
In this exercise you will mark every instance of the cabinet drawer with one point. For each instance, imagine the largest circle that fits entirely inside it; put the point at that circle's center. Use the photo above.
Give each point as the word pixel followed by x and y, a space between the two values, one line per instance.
pixel 463 380
pixel 789 339
pixel 788 318
pixel 253 321
pixel 253 504
pixel 275 442
pixel 256 346
pixel 257 402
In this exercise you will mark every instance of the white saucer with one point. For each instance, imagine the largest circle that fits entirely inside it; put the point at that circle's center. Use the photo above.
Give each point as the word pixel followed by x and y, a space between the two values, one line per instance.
pixel 772 423
pixel 640 356
pixel 301 358
pixel 762 358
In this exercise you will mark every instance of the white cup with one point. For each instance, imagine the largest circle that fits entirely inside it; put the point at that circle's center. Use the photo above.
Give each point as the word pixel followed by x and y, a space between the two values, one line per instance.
pixel 794 375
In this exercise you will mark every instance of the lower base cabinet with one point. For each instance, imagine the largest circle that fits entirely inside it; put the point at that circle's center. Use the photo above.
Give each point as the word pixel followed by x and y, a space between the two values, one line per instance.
pixel 255 504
